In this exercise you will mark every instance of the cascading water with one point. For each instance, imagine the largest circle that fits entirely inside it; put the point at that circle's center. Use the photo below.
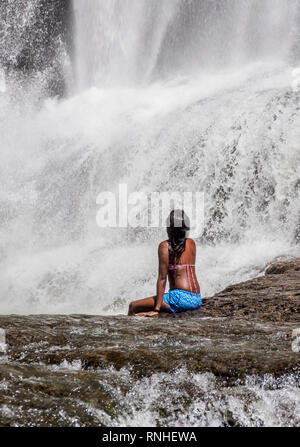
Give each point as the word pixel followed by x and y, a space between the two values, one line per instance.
pixel 163 95
pixel 136 41
pixel 124 39
pixel 168 96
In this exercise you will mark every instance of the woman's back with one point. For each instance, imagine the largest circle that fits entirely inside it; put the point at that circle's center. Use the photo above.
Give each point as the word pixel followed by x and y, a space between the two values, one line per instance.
pixel 177 259
pixel 182 274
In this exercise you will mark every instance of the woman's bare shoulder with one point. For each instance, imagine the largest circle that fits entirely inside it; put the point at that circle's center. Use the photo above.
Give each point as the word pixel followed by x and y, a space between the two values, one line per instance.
pixel 191 245
pixel 164 245
pixel 191 242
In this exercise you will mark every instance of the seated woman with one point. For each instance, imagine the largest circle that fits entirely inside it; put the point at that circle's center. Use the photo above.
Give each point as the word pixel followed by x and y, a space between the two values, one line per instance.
pixel 177 257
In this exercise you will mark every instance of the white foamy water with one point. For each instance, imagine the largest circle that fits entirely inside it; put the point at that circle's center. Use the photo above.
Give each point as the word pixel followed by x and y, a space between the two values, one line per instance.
pixel 127 42
pixel 150 111
pixel 258 402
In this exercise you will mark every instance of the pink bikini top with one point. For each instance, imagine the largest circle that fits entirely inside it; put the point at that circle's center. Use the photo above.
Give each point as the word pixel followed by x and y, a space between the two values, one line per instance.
pixel 189 272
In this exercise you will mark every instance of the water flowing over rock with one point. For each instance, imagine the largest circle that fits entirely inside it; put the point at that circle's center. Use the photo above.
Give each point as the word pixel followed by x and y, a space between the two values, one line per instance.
pixel 271 297
pixel 35 38
pixel 162 96
pixel 238 347
pixel 135 41
pixel 144 115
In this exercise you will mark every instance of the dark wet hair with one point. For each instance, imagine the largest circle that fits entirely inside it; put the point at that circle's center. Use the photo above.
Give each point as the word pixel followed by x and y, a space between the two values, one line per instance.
pixel 177 227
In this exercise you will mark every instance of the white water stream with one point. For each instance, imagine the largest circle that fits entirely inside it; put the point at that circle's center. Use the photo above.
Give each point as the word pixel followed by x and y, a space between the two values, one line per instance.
pixel 173 95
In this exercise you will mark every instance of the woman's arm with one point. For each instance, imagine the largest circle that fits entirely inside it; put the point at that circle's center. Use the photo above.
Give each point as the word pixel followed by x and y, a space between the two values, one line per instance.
pixel 163 258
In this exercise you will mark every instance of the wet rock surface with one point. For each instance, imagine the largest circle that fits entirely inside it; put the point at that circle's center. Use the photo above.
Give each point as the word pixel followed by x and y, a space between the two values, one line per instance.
pixel 273 297
pixel 225 347
pixel 81 370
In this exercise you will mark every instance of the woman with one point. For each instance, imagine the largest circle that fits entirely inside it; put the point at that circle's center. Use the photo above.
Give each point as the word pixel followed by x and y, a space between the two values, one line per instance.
pixel 177 258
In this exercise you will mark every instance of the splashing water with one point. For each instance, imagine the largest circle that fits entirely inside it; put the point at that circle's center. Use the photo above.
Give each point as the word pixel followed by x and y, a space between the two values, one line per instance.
pixel 180 399
pixel 90 371
pixel 133 41
pixel 162 101
pixel 124 39
pixel 256 402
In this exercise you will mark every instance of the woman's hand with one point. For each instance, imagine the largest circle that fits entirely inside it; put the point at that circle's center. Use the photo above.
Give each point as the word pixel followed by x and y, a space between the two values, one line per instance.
pixel 150 314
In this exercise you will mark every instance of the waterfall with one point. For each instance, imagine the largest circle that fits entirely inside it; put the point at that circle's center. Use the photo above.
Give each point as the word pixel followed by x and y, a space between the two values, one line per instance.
pixel 34 41
pixel 123 41
pixel 136 41
pixel 172 95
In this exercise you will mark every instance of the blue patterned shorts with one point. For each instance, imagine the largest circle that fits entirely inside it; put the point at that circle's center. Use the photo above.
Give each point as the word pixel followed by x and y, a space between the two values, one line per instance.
pixel 181 300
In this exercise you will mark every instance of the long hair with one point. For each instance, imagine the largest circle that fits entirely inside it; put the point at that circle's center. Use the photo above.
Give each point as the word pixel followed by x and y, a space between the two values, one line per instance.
pixel 177 227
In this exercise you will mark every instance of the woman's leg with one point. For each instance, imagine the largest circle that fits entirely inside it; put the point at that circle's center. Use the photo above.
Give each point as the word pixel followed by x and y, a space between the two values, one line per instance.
pixel 146 305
